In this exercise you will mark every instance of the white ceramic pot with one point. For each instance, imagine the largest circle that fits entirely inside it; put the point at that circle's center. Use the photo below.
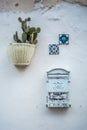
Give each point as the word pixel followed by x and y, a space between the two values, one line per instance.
pixel 21 53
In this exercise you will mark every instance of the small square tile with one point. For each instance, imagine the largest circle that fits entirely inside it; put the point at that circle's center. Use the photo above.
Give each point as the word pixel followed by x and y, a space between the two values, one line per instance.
pixel 63 39
pixel 53 49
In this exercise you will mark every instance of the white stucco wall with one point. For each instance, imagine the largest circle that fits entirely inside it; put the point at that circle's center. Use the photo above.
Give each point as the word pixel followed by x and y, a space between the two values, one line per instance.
pixel 22 91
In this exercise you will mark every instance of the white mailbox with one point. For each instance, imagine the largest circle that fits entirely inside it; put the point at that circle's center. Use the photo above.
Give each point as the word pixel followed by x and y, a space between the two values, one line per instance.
pixel 58 87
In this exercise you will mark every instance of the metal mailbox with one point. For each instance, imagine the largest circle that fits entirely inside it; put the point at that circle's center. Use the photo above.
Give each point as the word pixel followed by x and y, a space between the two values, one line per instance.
pixel 58 88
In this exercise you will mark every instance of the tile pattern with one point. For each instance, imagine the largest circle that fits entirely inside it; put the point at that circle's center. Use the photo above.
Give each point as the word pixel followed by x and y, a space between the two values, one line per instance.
pixel 53 49
pixel 63 39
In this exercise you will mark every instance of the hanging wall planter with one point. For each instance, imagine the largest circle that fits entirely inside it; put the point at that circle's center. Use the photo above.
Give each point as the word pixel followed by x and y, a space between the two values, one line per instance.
pixel 22 52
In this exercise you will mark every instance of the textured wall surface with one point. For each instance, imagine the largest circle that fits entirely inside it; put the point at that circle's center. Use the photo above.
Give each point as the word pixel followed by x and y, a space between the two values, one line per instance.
pixel 22 91
pixel 84 2
pixel 28 5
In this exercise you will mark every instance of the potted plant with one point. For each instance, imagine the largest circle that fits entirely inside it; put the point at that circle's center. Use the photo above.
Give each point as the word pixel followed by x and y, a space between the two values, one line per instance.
pixel 23 50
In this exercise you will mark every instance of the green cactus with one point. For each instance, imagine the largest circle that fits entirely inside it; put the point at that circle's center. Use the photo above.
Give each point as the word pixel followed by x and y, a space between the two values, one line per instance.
pixel 35 36
pixel 15 37
pixel 24 23
pixel 35 41
pixel 38 30
pixel 24 37
pixel 29 34
pixel 31 30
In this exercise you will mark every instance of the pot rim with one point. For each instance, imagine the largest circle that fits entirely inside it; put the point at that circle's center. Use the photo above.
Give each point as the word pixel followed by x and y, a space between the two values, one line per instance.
pixel 21 44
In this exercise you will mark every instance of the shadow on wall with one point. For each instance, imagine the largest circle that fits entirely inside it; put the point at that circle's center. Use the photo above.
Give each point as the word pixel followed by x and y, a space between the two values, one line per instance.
pixel 58 111
pixel 21 68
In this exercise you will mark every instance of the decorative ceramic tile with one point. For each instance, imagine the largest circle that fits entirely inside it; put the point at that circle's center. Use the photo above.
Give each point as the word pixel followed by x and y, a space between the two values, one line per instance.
pixel 53 49
pixel 58 87
pixel 63 39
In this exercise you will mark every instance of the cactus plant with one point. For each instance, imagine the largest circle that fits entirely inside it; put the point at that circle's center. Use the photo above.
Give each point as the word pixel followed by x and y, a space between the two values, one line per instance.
pixel 15 36
pixel 29 34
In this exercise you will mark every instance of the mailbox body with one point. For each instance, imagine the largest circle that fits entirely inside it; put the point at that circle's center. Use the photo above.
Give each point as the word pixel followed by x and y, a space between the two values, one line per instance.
pixel 58 87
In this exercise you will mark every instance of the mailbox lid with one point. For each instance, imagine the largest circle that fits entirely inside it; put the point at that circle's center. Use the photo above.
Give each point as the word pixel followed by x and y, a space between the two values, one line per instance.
pixel 57 71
